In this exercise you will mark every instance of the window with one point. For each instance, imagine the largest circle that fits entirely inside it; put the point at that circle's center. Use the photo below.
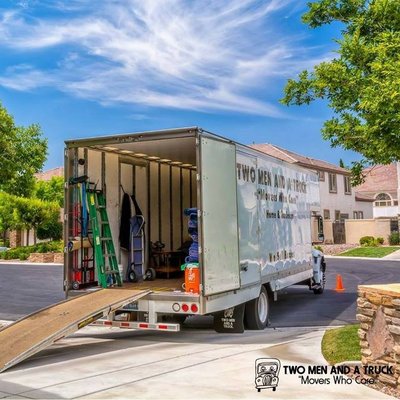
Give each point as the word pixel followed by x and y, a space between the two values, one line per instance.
pixel 332 183
pixel 327 214
pixel 361 215
pixel 321 176
pixel 355 215
pixel 395 202
pixel 383 200
pixel 337 215
pixel 347 185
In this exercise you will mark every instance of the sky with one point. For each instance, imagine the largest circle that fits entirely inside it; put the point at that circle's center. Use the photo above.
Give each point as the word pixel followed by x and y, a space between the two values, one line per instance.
pixel 83 68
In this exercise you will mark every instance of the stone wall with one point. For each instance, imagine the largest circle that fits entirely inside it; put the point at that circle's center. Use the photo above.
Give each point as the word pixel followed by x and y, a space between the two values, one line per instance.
pixel 46 258
pixel 378 311
pixel 15 239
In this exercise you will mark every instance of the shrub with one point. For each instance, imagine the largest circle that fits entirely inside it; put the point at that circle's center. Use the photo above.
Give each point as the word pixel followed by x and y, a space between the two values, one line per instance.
pixel 318 248
pixel 367 241
pixel 22 253
pixel 380 240
pixel 394 238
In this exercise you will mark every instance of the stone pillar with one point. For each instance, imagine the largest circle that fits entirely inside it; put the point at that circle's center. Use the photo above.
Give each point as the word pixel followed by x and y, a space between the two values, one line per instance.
pixel 15 239
pixel 378 311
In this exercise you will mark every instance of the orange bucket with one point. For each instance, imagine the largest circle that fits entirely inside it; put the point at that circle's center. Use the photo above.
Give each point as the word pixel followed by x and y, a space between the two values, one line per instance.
pixel 192 279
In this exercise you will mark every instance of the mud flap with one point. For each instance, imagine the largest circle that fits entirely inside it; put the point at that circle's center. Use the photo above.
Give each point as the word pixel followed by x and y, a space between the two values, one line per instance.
pixel 230 320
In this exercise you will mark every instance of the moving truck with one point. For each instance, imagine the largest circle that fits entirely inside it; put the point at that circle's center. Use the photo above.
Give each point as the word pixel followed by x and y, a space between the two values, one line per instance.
pixel 255 215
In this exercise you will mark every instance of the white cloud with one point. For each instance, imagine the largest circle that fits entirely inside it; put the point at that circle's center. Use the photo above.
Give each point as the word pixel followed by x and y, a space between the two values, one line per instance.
pixel 198 55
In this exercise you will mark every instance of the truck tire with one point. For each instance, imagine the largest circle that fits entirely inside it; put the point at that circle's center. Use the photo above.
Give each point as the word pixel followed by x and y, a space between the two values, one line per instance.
pixel 257 312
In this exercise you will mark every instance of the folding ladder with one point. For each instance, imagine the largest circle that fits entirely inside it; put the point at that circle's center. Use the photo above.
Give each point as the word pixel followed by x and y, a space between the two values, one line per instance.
pixel 104 251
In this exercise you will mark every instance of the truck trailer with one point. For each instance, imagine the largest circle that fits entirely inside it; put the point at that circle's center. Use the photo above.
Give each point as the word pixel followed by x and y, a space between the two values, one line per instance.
pixel 254 213
pixel 214 228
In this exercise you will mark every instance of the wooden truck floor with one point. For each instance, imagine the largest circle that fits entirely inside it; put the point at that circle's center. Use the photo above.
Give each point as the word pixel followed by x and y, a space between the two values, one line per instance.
pixel 36 331
pixel 158 285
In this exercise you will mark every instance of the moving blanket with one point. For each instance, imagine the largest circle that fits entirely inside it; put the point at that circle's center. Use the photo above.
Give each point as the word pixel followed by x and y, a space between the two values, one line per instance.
pixel 193 232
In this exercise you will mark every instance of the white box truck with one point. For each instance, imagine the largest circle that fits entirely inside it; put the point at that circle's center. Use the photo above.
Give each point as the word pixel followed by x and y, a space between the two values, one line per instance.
pixel 254 225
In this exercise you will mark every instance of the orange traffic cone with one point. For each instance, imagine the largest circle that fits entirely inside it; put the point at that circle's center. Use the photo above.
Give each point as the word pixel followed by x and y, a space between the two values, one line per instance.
pixel 339 283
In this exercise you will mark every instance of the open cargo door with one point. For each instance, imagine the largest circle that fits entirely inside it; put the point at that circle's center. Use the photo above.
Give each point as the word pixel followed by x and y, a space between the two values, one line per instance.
pixel 220 252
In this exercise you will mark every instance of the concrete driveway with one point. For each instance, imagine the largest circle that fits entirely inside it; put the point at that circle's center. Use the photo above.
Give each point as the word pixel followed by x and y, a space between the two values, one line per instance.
pixel 103 364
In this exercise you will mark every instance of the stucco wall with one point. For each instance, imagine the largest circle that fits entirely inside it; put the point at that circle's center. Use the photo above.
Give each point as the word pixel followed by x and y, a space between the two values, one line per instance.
pixel 366 207
pixel 345 203
pixel 357 228
pixel 328 231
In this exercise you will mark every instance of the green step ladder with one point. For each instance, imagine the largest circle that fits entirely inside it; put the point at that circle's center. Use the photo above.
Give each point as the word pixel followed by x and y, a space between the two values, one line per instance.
pixel 104 250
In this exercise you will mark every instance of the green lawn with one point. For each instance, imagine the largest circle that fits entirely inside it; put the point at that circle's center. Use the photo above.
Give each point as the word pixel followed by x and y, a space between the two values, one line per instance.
pixel 341 344
pixel 377 252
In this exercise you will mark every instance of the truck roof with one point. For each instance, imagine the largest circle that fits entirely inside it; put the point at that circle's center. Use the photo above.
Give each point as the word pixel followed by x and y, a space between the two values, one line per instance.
pixel 183 132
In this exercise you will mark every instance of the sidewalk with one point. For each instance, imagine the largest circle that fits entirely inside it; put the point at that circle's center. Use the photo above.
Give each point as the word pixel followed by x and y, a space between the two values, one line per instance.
pixel 393 256
pixel 396 257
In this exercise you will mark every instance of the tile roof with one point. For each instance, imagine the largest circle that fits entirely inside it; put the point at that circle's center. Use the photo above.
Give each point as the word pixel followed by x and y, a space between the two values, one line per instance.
pixel 379 178
pixel 47 175
pixel 363 197
pixel 295 158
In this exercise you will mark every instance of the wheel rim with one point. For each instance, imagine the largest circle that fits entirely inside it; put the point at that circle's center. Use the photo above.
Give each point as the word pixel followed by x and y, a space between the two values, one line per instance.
pixel 262 307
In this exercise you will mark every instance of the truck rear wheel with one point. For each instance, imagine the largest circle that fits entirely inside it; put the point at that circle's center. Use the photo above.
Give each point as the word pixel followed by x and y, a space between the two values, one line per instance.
pixel 257 311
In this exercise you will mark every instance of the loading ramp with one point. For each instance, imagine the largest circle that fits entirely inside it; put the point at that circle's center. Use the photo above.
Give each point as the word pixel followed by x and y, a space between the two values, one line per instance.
pixel 39 330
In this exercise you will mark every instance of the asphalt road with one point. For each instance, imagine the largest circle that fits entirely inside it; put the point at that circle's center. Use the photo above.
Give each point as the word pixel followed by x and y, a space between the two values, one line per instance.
pixel 297 306
pixel 27 288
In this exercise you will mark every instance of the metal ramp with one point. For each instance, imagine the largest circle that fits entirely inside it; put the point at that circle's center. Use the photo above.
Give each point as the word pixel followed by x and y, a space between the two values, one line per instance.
pixel 39 330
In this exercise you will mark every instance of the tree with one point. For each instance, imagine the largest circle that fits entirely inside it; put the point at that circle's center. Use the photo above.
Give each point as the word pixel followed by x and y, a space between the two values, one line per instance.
pixel 31 213
pixel 361 84
pixel 23 151
pixel 8 218
pixel 52 190
pixel 51 227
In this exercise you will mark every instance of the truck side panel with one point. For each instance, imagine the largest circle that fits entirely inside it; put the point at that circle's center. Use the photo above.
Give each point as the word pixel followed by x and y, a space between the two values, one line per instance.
pixel 280 238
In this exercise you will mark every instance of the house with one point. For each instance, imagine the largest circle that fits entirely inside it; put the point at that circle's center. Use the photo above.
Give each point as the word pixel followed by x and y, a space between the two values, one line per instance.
pixel 339 200
pixel 382 185
pixel 50 173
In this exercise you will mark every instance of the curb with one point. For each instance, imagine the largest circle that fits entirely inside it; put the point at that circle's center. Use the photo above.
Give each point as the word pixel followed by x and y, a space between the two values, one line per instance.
pixel 11 262
pixel 361 258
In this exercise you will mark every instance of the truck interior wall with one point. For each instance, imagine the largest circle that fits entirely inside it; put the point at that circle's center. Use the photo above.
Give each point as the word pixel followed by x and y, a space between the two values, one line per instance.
pixel 176 207
pixel 168 199
pixel 94 165
pixel 171 190
pixel 165 201
pixel 140 183
pixel 153 222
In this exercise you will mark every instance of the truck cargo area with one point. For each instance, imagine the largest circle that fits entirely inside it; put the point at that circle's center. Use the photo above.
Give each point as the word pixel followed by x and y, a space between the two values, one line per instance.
pixel 160 172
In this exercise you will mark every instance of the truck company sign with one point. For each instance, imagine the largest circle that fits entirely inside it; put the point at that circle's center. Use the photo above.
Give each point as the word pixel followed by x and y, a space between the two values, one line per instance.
pixel 277 199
